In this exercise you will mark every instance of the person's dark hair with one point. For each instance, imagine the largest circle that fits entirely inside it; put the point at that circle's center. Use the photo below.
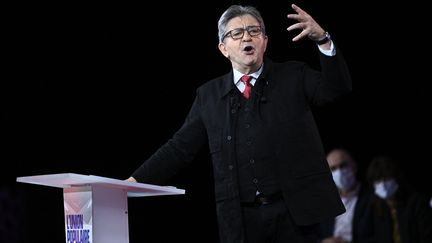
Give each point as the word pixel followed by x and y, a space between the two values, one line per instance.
pixel 236 11
pixel 383 167
pixel 344 150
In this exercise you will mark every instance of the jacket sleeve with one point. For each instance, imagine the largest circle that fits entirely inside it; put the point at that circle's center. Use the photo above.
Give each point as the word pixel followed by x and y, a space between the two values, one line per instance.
pixel 332 82
pixel 177 152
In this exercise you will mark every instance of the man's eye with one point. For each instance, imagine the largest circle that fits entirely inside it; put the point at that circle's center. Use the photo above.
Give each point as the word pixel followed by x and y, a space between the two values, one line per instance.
pixel 236 33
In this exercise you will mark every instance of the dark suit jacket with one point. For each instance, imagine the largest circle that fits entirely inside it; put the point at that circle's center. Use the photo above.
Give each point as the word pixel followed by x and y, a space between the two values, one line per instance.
pixel 415 220
pixel 287 135
pixel 362 226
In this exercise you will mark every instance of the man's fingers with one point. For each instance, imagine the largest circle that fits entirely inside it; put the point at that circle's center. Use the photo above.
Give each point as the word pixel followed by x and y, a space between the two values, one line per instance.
pixel 296 26
pixel 297 8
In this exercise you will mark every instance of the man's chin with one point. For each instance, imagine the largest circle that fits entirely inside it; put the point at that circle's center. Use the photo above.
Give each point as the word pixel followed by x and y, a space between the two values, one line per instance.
pixel 251 61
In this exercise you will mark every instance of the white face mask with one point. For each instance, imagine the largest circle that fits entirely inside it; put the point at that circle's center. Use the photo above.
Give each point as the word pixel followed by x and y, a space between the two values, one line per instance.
pixel 344 178
pixel 386 188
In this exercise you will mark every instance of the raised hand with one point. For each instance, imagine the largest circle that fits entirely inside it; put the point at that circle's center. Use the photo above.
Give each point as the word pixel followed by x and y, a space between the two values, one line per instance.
pixel 307 24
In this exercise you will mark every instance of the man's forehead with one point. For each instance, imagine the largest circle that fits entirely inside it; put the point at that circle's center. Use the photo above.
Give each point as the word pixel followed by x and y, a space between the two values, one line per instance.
pixel 242 21
pixel 338 156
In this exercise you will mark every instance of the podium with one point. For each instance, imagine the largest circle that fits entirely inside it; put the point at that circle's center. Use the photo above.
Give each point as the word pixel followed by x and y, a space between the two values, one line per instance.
pixel 95 208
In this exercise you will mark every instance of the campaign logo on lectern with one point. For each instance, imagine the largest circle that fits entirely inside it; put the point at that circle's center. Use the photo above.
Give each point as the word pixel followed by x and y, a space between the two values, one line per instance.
pixel 78 217
pixel 75 231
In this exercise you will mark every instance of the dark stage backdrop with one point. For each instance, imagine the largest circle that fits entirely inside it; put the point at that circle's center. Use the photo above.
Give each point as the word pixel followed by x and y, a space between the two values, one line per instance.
pixel 96 88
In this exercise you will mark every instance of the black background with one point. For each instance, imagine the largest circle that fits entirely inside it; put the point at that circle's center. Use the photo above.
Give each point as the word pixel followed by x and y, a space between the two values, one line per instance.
pixel 95 88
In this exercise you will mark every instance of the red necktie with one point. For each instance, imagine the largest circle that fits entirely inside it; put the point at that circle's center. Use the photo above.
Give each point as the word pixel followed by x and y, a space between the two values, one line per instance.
pixel 246 80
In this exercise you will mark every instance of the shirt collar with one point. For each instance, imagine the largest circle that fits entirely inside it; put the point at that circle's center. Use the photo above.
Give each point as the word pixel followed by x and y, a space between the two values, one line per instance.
pixel 255 75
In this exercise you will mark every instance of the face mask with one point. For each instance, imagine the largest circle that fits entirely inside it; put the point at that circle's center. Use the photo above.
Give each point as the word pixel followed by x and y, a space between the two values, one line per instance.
pixel 386 188
pixel 343 178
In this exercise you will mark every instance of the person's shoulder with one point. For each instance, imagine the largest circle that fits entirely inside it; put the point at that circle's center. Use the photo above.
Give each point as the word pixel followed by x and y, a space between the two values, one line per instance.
pixel 365 195
pixel 290 64
pixel 214 82
pixel 283 69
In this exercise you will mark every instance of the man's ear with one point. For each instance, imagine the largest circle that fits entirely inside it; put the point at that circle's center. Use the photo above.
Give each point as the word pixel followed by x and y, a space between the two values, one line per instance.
pixel 265 42
pixel 222 49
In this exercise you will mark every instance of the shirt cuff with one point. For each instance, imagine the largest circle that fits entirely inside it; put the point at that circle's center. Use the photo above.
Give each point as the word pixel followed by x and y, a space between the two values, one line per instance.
pixel 331 52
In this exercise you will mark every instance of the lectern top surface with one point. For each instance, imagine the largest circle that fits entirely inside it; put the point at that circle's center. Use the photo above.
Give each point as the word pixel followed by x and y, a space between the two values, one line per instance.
pixel 67 180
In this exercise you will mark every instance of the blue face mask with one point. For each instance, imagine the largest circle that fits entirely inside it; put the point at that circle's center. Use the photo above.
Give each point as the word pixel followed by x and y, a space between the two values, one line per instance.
pixel 344 178
pixel 386 188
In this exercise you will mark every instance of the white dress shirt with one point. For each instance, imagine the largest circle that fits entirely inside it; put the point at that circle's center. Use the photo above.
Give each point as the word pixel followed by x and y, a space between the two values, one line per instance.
pixel 344 222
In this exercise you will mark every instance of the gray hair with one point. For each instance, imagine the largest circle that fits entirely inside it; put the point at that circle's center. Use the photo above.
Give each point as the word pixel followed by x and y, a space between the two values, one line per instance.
pixel 237 11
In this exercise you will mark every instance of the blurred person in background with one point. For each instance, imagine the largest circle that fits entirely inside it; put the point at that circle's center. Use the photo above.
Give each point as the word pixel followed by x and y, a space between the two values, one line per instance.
pixel 400 214
pixel 353 225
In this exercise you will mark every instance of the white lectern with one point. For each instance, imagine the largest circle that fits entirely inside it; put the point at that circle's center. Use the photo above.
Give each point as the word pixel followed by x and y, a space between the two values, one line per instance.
pixel 95 207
